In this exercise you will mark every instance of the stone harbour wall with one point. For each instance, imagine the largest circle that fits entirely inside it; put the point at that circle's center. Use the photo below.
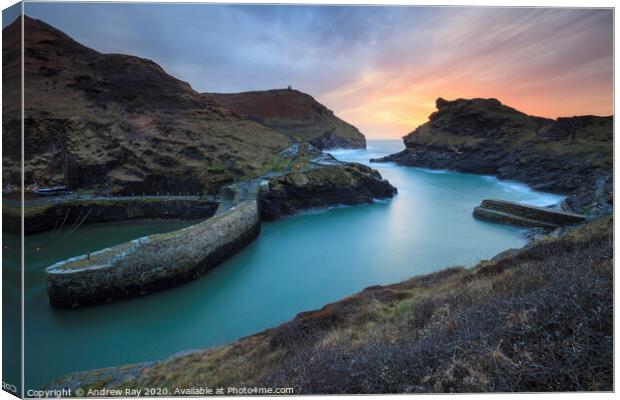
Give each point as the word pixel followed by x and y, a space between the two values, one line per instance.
pixel 153 262
pixel 512 213
pixel 53 214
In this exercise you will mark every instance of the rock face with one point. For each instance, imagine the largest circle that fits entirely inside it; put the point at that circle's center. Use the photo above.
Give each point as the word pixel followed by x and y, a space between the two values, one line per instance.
pixel 324 186
pixel 295 114
pixel 511 213
pixel 73 212
pixel 571 156
pixel 154 262
pixel 119 124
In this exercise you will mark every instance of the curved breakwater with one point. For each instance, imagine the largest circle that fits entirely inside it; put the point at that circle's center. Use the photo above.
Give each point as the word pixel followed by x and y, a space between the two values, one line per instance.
pixel 152 262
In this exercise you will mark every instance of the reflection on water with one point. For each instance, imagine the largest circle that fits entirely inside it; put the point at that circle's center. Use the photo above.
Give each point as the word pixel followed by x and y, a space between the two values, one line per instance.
pixel 298 263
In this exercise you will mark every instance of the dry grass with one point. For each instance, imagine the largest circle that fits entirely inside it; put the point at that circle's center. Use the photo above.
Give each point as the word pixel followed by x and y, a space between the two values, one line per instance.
pixel 540 320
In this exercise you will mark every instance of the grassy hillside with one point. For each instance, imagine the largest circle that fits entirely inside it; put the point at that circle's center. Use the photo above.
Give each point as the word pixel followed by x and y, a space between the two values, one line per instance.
pixel 119 123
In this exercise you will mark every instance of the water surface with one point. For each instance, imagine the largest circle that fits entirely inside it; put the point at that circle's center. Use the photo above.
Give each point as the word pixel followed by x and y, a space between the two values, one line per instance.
pixel 298 263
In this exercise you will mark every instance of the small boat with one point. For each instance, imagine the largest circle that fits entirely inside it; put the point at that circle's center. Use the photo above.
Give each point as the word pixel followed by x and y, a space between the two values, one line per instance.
pixel 8 189
pixel 50 191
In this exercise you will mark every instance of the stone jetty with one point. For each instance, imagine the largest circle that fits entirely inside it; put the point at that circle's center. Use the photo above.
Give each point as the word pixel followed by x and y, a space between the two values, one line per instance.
pixel 511 213
pixel 153 262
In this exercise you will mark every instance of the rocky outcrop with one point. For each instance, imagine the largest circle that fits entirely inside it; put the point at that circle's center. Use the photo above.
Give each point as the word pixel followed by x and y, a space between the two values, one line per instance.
pixel 511 213
pixel 154 262
pixel 332 139
pixel 119 124
pixel 571 156
pixel 295 114
pixel 323 186
pixel 40 216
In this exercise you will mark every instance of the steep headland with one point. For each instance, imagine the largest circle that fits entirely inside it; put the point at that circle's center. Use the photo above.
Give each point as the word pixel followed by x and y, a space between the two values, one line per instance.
pixel 296 114
pixel 120 124
pixel 571 156
pixel 535 319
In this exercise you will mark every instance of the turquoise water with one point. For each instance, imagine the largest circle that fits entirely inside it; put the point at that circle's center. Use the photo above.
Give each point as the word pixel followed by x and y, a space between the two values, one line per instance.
pixel 298 263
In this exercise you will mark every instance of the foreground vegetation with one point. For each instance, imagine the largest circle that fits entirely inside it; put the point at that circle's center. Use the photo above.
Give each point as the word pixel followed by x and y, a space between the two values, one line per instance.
pixel 535 319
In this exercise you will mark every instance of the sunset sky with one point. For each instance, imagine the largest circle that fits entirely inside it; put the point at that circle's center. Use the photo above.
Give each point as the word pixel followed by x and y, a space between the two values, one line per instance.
pixel 379 68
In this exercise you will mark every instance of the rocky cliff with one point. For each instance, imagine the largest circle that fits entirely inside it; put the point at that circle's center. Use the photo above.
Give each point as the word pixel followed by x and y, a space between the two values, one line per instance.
pixel 120 124
pixel 295 114
pixel 571 156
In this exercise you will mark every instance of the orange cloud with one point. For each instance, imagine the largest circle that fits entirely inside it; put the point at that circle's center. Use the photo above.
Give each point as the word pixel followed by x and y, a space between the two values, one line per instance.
pixel 549 63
